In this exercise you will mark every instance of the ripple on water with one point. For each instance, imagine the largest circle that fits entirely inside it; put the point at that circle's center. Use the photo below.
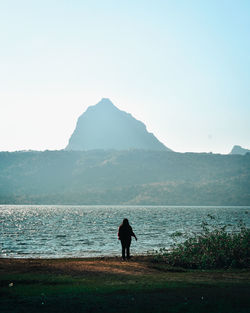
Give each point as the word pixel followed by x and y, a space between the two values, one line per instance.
pixel 79 231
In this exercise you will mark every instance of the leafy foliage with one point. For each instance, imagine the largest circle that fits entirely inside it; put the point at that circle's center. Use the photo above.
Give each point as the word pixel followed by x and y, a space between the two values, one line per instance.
pixel 214 247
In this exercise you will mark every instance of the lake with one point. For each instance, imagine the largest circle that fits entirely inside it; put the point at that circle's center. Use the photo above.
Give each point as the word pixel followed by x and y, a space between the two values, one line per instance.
pixel 88 231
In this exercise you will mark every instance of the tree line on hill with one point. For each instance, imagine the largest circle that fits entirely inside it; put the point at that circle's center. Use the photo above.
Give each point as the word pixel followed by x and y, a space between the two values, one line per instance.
pixel 135 177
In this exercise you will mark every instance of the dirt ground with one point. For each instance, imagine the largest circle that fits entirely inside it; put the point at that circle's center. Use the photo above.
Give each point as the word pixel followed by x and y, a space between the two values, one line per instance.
pixel 139 266
pixel 100 285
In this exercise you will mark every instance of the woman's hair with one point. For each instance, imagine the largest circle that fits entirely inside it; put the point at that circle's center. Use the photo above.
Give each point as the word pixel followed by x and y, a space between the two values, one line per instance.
pixel 125 222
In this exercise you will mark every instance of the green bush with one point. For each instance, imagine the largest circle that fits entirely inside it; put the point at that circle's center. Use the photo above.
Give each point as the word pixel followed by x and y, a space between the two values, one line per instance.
pixel 213 248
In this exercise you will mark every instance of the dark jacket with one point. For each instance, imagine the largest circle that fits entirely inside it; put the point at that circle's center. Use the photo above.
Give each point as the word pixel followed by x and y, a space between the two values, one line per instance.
pixel 125 233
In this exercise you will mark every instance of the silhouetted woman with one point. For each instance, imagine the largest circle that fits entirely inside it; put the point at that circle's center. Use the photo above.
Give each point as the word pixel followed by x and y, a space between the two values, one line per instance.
pixel 125 233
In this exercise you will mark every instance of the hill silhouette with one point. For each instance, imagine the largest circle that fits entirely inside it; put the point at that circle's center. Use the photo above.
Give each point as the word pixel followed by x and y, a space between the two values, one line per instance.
pixel 124 177
pixel 104 126
pixel 239 150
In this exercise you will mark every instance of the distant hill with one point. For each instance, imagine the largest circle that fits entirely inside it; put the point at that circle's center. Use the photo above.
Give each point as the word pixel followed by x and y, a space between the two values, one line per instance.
pixel 239 150
pixel 124 177
pixel 104 126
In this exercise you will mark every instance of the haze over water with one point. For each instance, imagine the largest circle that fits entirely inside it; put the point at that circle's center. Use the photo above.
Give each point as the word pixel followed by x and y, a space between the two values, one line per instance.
pixel 89 231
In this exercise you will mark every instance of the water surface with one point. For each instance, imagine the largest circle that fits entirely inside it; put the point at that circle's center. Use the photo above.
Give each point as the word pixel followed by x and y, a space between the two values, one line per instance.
pixel 84 231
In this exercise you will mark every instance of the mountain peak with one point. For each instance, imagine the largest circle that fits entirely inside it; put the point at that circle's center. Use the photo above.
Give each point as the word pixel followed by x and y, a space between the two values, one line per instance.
pixel 103 107
pixel 104 126
pixel 239 150
pixel 105 102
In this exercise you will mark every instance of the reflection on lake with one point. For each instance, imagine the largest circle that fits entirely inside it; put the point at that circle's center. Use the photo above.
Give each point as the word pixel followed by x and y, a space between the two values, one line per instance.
pixel 83 231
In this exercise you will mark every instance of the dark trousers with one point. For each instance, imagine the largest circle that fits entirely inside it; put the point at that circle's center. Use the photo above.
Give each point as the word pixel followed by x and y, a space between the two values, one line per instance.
pixel 125 248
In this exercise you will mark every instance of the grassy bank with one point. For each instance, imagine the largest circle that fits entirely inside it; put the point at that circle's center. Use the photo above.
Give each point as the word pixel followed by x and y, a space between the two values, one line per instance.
pixel 109 285
pixel 213 248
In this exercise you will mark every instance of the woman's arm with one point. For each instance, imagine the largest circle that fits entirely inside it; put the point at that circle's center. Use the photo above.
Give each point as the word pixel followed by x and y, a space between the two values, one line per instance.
pixel 133 234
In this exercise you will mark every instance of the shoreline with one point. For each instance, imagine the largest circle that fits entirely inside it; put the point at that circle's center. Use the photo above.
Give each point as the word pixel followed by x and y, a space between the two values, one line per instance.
pixel 136 266
pixel 128 205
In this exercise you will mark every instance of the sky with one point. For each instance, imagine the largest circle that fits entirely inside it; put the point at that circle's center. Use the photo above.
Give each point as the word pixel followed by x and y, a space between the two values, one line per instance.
pixel 182 67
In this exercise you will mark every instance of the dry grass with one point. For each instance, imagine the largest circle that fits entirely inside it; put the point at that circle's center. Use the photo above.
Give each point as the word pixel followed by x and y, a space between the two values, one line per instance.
pixel 109 285
pixel 138 266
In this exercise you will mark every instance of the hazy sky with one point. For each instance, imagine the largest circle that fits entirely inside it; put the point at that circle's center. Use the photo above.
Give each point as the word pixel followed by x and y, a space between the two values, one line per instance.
pixel 180 66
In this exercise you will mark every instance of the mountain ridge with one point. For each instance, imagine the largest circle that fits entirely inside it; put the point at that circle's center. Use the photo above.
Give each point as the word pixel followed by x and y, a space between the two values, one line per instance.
pixel 104 126
pixel 124 177
pixel 239 150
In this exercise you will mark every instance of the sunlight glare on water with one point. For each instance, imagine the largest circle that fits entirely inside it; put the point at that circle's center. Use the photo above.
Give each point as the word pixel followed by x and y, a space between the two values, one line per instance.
pixel 88 231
